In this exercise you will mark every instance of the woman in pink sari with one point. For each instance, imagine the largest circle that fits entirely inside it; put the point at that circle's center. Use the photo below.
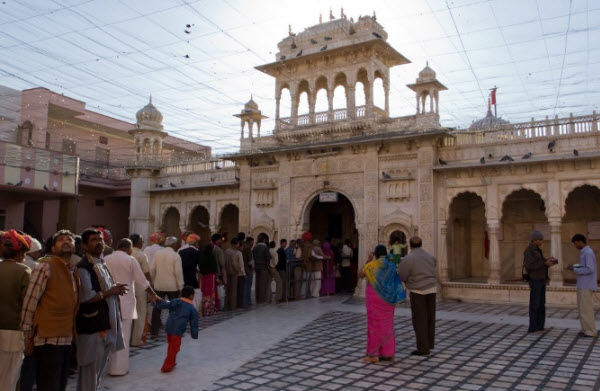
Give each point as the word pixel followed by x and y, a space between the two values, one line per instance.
pixel 328 276
pixel 383 291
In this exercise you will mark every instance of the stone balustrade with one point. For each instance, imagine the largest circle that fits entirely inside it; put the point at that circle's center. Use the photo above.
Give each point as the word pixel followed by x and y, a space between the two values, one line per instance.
pixel 547 128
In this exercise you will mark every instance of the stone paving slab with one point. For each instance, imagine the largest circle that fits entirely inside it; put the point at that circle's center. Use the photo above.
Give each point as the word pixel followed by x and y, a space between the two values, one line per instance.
pixel 326 353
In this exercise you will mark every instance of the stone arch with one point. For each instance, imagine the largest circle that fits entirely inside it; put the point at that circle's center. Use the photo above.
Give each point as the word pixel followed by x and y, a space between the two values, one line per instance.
pixel 321 102
pixel 229 217
pixel 199 223
pixel 466 239
pixel 170 222
pixel 260 229
pixel 567 188
pixel 388 230
pixel 362 77
pixel 379 82
pixel 304 216
pixel 285 100
pixel 582 215
pixel 523 210
pixel 539 188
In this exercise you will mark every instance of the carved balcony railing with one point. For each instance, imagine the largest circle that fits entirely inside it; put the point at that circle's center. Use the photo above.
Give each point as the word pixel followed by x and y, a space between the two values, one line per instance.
pixel 547 128
pixel 337 115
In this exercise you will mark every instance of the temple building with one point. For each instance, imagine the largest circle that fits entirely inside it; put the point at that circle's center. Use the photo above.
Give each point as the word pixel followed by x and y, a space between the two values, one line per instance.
pixel 473 196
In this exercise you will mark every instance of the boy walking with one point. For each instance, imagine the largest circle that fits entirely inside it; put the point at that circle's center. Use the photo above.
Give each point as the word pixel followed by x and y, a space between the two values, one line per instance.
pixel 181 312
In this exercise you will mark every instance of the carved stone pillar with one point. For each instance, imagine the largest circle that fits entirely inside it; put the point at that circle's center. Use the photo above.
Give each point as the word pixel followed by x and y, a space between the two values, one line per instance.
pixel 493 229
pixel 386 88
pixel 369 99
pixel 556 271
pixel 418 105
pixel 294 113
pixel 351 99
pixel 277 103
pixel 443 253
pixel 311 108
pixel 330 105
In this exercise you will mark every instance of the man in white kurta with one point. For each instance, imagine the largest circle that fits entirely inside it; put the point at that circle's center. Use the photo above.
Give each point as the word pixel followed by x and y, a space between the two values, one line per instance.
pixel 141 303
pixel 125 269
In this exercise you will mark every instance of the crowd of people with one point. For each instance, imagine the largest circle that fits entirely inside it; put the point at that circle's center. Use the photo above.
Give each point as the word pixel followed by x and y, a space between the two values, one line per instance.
pixel 77 305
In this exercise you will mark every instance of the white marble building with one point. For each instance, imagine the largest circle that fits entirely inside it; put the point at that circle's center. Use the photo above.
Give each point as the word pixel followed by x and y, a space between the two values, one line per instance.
pixel 390 176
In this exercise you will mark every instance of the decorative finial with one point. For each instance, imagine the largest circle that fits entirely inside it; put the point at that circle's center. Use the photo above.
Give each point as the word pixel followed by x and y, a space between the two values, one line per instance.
pixel 374 16
pixel 351 19
pixel 426 63
pixel 342 14
pixel 150 98
pixel 290 30
pixel 331 17
pixel 320 18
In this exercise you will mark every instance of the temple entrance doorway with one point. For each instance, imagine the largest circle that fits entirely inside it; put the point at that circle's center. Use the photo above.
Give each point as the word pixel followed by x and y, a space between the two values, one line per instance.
pixel 331 217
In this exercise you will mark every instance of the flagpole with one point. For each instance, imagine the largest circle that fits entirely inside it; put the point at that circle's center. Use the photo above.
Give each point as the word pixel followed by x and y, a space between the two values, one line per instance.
pixel 495 104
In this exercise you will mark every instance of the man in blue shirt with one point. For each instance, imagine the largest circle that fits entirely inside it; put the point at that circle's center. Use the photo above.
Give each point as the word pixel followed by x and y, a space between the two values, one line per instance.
pixel 587 284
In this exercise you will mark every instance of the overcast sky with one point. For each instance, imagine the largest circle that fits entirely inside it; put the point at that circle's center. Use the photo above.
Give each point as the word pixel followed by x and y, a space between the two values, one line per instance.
pixel 112 54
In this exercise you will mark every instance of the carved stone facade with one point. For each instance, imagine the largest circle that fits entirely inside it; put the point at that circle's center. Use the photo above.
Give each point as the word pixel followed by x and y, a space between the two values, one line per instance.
pixel 407 175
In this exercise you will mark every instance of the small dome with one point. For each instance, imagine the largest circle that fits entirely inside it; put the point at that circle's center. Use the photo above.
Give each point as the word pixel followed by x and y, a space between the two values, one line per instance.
pixel 426 74
pixel 488 122
pixel 149 117
pixel 251 105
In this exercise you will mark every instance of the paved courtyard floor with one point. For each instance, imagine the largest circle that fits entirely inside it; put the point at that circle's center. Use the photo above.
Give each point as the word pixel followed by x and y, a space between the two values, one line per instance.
pixel 318 344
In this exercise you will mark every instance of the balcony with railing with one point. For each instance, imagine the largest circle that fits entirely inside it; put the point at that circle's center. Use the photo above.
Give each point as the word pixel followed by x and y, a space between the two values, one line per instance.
pixel 359 113
pixel 98 174
pixel 194 175
pixel 26 168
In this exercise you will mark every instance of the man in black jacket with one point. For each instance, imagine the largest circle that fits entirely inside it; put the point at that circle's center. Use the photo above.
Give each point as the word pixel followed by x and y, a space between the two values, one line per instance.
pixel 99 317
pixel 190 262
pixel 282 268
pixel 262 258
pixel 537 269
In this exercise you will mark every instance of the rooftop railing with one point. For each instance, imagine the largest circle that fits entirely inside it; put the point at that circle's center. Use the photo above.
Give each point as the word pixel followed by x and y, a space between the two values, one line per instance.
pixel 547 128
pixel 337 115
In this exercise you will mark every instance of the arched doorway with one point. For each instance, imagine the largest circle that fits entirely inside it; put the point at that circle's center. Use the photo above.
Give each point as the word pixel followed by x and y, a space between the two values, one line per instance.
pixel 467 258
pixel 332 220
pixel 401 236
pixel 582 215
pixel 229 222
pixel 330 216
pixel 522 212
pixel 200 224
pixel 170 223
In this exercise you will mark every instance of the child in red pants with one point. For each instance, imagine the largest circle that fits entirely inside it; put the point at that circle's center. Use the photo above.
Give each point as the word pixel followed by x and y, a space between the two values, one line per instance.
pixel 181 312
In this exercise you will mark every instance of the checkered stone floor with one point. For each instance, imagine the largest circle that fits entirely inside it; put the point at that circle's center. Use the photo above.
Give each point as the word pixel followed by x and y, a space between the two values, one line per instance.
pixel 495 309
pixel 326 355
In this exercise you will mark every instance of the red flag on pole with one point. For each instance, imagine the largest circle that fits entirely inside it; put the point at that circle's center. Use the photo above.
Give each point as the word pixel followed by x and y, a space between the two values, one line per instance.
pixel 494 96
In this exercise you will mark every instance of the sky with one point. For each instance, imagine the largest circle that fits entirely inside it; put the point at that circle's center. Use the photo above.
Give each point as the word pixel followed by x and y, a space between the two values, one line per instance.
pixel 543 55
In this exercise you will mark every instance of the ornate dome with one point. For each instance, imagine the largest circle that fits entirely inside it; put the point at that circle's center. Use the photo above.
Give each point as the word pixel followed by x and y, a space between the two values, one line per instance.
pixel 488 122
pixel 149 117
pixel 427 74
pixel 251 105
